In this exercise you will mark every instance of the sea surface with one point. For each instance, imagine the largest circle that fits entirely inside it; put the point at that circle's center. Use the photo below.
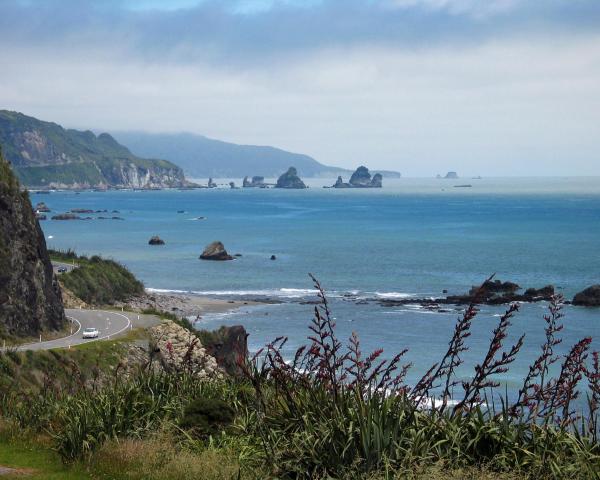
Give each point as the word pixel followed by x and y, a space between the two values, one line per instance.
pixel 413 238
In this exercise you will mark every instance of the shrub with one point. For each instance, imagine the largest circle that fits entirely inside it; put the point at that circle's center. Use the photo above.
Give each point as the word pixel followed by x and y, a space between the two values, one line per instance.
pixel 98 281
pixel 206 417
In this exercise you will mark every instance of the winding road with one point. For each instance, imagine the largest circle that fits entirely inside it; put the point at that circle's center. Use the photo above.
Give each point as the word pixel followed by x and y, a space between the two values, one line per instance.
pixel 110 324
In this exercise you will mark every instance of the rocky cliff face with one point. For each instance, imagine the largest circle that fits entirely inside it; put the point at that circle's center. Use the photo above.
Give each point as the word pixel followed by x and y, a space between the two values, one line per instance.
pixel 30 297
pixel 45 155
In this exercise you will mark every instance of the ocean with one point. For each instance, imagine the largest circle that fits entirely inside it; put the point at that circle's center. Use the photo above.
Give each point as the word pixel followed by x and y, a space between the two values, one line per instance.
pixel 412 238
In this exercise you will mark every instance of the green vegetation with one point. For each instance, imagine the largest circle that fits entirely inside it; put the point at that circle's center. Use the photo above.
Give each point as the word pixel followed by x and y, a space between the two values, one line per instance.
pixel 27 371
pixel 57 155
pixel 98 281
pixel 329 413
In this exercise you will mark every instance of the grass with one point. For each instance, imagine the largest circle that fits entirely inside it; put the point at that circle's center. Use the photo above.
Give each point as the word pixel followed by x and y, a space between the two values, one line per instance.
pixel 40 462
pixel 98 281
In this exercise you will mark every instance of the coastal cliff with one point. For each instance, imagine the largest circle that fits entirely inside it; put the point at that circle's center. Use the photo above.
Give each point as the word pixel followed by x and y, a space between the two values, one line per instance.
pixel 45 155
pixel 30 297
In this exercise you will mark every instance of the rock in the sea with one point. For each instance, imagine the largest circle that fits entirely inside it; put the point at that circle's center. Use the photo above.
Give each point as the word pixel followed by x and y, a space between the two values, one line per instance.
pixel 544 292
pixel 66 216
pixel 82 210
pixel 273 257
pixel 590 297
pixel 30 297
pixel 211 184
pixel 41 207
pixel 377 181
pixel 490 288
pixel 290 179
pixel 215 251
pixel 451 175
pixel 339 183
pixel 156 240
pixel 361 178
pixel 232 186
pixel 257 181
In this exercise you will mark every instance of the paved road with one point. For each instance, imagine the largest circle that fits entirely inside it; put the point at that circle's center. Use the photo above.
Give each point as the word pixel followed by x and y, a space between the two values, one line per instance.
pixel 110 324
pixel 67 266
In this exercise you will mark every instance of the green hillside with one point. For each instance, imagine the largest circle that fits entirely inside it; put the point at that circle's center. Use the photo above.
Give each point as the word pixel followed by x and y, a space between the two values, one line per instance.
pixel 45 154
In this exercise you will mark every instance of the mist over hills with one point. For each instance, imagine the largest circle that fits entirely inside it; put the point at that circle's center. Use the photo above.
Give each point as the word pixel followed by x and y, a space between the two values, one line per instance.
pixel 200 156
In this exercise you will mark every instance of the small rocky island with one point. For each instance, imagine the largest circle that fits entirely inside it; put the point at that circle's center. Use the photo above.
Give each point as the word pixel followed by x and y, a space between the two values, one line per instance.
pixel 41 207
pixel 256 182
pixel 156 240
pixel 290 179
pixel 361 178
pixel 215 251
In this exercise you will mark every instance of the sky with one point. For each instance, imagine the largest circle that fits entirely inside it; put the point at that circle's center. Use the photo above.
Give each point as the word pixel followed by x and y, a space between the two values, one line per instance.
pixel 483 87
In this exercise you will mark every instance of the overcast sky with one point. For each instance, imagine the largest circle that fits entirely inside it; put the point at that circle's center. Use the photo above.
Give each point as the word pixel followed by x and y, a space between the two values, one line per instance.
pixel 489 87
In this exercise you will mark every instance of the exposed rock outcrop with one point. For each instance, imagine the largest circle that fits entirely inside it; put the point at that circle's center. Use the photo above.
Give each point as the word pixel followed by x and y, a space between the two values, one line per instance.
pixel 489 293
pixel 590 297
pixel 41 207
pixel 256 182
pixel 290 179
pixel 229 346
pixel 66 216
pixel 156 240
pixel 452 175
pixel 211 184
pixel 361 178
pixel 215 251
pixel 178 349
pixel 30 297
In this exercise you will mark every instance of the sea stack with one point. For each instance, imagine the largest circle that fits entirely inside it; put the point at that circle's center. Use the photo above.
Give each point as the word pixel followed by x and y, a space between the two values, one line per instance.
pixel 290 179
pixel 361 178
pixel 451 175
pixel 215 251
pixel 256 182
pixel 156 240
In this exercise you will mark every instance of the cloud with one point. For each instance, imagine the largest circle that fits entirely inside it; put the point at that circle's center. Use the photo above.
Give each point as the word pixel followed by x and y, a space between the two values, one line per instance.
pixel 255 31
pixel 420 86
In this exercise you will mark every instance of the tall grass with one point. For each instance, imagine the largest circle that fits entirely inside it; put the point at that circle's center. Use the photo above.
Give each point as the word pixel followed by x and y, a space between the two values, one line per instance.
pixel 334 411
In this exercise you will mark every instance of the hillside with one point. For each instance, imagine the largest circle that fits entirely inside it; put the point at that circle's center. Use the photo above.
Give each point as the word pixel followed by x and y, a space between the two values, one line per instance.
pixel 44 154
pixel 30 298
pixel 200 156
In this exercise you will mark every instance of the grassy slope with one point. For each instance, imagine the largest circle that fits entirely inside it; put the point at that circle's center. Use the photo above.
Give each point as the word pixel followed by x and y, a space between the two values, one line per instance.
pixel 98 281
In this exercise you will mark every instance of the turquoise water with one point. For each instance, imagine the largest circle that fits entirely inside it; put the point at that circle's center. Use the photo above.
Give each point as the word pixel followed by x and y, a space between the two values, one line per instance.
pixel 413 237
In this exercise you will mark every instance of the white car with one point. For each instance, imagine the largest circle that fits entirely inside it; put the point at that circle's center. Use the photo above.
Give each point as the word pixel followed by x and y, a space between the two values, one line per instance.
pixel 90 332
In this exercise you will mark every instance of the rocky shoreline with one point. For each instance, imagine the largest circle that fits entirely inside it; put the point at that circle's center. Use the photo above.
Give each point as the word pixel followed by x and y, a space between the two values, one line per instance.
pixel 186 305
